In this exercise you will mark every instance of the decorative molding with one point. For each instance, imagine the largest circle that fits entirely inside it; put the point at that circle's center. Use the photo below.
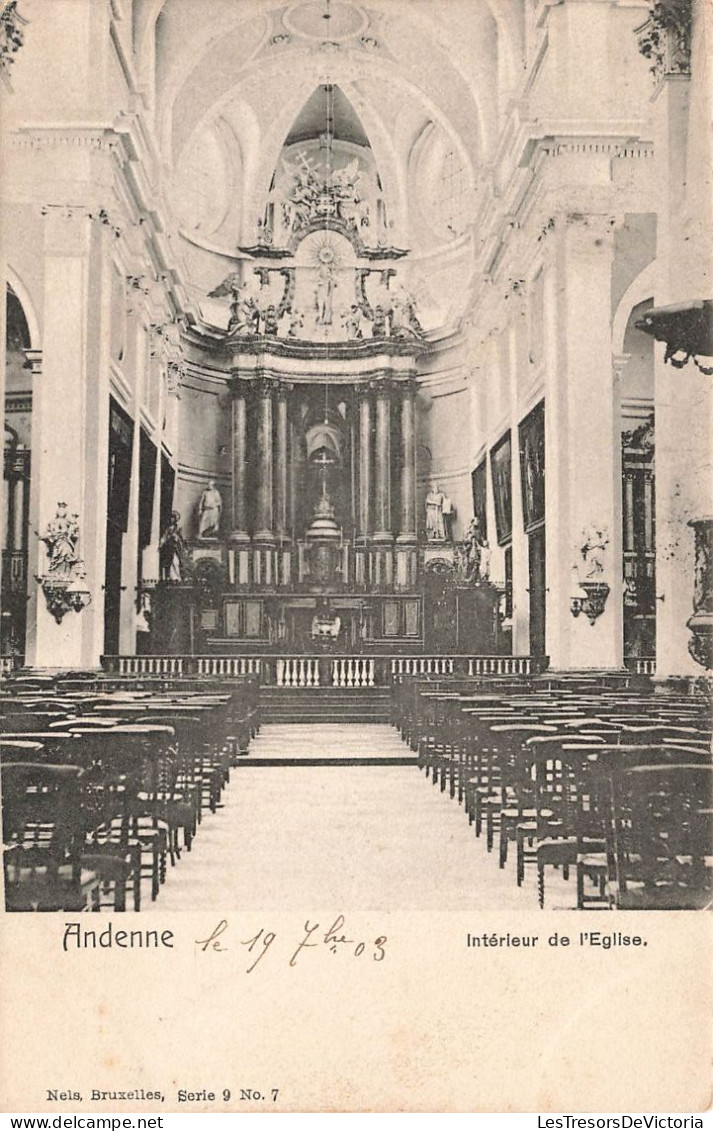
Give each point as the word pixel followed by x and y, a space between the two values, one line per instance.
pixel 641 438
pixel 12 37
pixel 18 402
pixel 74 137
pixel 175 377
pixel 665 38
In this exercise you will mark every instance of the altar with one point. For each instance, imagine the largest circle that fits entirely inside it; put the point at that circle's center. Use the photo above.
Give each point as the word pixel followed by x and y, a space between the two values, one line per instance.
pixel 316 539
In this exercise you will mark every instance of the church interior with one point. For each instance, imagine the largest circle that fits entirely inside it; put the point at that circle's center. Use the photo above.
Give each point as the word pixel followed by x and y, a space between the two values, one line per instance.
pixel 358 426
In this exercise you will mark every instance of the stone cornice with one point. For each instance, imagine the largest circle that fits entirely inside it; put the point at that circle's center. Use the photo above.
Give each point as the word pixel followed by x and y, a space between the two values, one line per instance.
pixel 526 166
pixel 142 212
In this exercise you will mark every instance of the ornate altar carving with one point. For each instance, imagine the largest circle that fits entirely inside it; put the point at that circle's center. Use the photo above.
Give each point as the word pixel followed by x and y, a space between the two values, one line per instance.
pixel 317 194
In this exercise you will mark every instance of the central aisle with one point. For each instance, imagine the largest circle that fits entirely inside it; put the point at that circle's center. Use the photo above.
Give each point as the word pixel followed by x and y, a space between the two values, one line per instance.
pixel 348 836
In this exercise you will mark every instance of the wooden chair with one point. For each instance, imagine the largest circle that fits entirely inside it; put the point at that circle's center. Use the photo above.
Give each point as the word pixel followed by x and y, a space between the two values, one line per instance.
pixel 660 836
pixel 42 835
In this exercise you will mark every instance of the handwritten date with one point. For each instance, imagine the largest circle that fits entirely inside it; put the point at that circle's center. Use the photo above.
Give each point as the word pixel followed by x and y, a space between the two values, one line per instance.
pixel 334 940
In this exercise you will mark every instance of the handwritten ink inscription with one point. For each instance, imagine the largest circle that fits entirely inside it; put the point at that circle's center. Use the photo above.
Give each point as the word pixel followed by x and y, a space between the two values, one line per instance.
pixel 335 939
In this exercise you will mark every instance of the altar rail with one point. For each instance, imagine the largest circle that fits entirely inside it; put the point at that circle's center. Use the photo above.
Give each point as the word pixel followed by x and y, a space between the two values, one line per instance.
pixel 325 670
pixel 641 665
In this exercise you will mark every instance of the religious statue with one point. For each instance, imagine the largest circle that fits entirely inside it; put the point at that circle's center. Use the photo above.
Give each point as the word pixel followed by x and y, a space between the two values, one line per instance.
pixel 270 326
pixel 378 322
pixel 323 294
pixel 172 553
pixel 439 511
pixel 592 551
pixel 64 584
pixel 404 322
pixel 351 320
pixel 473 546
pixel 245 310
pixel 61 539
pixel 210 507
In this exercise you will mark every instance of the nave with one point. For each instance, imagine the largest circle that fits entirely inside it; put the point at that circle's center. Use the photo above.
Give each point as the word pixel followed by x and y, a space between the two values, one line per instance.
pixel 345 835
pixel 591 792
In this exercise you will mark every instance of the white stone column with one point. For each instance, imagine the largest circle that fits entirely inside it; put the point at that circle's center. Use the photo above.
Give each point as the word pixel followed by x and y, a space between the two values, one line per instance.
pixel 684 491
pixel 138 327
pixel 69 429
pixel 516 346
pixel 582 439
pixel 683 397
pixel 149 561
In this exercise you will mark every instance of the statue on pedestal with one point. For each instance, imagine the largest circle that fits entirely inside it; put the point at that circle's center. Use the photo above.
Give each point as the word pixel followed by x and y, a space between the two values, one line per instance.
pixel 475 547
pixel 439 512
pixel 61 539
pixel 172 553
pixel 210 507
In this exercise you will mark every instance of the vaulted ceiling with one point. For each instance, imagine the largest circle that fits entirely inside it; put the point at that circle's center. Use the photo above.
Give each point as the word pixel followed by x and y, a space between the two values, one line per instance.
pixel 454 60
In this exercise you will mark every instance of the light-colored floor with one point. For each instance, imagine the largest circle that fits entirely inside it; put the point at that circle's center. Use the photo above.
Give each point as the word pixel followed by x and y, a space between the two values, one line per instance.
pixel 359 837
pixel 344 742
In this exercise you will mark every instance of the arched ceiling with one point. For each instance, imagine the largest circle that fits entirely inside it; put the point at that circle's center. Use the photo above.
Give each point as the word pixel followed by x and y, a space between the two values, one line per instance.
pixel 450 57
pixel 310 122
pixel 422 83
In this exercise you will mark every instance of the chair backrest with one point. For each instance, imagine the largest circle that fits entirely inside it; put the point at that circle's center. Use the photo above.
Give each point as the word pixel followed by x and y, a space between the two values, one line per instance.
pixel 662 829
pixel 40 810
pixel 29 720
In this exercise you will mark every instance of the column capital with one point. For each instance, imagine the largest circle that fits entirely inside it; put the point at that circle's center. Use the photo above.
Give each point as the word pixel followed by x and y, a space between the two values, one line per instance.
pixel 264 386
pixel 407 387
pixel 382 386
pixel 238 386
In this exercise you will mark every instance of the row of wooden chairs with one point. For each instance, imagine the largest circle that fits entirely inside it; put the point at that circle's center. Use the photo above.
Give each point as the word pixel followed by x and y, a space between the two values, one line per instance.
pixel 609 783
pixel 102 787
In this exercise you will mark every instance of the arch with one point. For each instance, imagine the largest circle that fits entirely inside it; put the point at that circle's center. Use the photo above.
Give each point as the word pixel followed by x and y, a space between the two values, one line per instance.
pixel 379 142
pixel 28 308
pixel 643 287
